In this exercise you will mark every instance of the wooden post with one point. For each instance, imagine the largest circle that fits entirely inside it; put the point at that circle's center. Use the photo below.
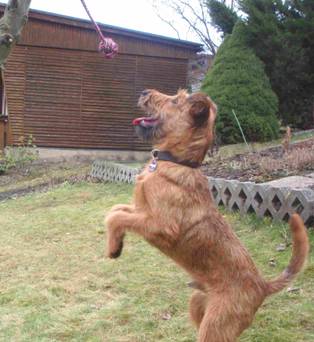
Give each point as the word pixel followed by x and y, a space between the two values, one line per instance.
pixel 287 140
pixel 3 132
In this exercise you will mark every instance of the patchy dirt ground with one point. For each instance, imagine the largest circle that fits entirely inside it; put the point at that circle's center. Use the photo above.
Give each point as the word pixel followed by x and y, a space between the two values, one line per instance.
pixel 41 175
pixel 266 165
pixel 262 166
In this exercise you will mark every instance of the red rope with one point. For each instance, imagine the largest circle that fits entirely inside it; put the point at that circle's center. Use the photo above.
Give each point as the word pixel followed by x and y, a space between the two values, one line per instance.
pixel 107 46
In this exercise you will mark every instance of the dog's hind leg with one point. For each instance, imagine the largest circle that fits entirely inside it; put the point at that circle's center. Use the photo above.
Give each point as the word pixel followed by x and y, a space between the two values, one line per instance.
pixel 222 322
pixel 198 304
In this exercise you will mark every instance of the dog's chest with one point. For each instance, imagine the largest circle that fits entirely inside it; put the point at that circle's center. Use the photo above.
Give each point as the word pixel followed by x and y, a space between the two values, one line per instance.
pixel 142 188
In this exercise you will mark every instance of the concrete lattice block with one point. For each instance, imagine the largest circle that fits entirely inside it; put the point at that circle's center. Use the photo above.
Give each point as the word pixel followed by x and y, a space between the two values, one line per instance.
pixel 260 200
pixel 215 186
pixel 279 200
pixel 238 198
pixel 228 193
pixel 302 202
pixel 276 202
pixel 246 195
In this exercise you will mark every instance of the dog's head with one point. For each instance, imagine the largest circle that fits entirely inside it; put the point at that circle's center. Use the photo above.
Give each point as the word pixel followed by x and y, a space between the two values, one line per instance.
pixel 181 124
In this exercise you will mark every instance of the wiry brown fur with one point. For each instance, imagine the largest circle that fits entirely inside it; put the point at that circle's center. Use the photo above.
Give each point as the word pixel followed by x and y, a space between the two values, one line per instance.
pixel 174 211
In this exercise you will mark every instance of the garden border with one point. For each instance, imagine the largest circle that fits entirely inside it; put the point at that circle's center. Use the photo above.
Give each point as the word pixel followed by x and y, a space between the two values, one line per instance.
pixel 278 203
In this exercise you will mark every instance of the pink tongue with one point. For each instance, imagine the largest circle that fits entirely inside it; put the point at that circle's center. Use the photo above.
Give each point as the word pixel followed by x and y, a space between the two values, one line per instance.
pixel 145 122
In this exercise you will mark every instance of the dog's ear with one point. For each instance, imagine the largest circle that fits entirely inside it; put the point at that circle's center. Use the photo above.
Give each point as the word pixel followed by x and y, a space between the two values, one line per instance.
pixel 200 109
pixel 212 111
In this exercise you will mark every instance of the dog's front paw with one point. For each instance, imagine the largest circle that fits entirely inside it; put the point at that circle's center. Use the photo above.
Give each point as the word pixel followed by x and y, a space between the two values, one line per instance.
pixel 114 254
pixel 120 207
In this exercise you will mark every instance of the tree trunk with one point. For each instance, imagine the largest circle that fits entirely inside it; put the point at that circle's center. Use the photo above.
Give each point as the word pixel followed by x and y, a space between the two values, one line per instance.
pixel 11 25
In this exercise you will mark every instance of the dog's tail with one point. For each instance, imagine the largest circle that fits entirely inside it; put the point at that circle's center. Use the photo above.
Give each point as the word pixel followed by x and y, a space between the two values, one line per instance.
pixel 300 251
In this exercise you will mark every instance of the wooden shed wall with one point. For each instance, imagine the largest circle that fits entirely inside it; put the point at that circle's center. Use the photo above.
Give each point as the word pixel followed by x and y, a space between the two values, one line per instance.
pixel 64 93
pixel 55 31
pixel 55 34
pixel 71 98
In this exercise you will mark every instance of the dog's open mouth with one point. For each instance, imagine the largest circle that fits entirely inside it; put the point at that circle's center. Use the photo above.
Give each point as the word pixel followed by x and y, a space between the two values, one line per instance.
pixel 146 122
pixel 146 127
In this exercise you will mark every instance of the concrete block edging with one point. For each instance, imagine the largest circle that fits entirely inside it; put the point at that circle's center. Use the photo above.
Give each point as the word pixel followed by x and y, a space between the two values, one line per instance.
pixel 278 203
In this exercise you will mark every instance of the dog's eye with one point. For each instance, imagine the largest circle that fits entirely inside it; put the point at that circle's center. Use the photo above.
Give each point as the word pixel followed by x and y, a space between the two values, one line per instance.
pixel 174 101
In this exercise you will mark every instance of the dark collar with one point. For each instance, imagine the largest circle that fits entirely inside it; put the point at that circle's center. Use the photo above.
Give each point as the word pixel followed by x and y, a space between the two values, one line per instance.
pixel 167 156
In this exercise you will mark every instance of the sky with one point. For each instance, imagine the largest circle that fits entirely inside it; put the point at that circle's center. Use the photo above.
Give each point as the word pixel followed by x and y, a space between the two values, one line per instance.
pixel 132 14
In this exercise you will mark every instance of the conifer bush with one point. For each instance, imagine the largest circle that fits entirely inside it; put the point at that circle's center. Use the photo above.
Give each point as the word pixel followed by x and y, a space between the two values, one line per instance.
pixel 237 81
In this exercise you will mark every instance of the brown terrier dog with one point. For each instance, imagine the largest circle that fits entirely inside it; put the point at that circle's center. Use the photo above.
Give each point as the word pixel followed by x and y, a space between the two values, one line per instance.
pixel 173 210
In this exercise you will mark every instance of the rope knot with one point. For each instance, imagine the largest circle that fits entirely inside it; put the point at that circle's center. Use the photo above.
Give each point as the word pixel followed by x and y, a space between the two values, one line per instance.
pixel 108 47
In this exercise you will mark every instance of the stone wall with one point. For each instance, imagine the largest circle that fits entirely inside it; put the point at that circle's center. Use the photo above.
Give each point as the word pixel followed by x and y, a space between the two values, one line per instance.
pixel 278 203
pixel 112 172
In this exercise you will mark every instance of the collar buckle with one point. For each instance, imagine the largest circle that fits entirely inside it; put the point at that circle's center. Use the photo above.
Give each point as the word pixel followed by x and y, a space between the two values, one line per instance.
pixel 153 165
pixel 155 153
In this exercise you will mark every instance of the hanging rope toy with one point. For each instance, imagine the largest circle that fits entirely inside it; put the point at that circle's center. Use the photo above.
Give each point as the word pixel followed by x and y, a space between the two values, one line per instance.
pixel 107 46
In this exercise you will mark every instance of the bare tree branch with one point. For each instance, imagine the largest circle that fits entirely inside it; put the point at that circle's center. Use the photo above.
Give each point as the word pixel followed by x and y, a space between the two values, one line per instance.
pixel 204 21
pixel 168 22
pixel 194 17
pixel 191 8
pixel 211 46
pixel 11 25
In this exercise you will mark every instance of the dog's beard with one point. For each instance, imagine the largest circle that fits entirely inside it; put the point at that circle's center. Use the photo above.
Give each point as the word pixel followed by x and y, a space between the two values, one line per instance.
pixel 146 134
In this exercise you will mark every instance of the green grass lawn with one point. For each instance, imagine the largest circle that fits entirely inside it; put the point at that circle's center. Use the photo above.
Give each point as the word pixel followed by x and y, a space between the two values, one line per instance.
pixel 56 285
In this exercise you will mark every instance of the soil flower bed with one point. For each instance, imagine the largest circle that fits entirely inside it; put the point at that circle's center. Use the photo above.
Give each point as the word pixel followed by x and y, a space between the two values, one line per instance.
pixel 266 165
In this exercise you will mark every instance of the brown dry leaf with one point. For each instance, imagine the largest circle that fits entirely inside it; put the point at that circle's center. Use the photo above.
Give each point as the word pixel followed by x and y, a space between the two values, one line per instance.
pixel 166 316
pixel 293 289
